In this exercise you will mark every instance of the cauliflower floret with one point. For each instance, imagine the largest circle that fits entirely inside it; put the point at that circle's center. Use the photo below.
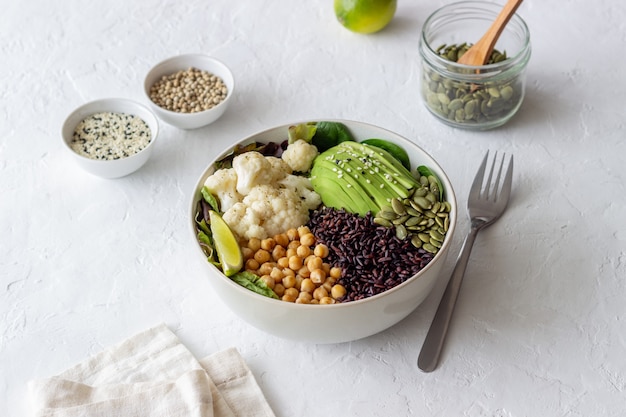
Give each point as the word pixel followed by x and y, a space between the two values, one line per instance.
pixel 267 211
pixel 281 167
pixel 300 155
pixel 252 168
pixel 223 185
pixel 244 222
pixel 303 188
pixel 260 197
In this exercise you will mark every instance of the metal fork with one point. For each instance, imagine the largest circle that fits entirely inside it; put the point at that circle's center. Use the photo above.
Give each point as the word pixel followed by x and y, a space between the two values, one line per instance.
pixel 487 200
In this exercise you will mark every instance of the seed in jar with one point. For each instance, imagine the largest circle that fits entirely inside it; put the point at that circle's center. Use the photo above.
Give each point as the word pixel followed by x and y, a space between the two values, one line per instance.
pixel 188 91
pixel 110 136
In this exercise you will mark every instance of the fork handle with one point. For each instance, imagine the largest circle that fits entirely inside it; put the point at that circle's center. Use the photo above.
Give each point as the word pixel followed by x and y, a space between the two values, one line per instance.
pixel 433 344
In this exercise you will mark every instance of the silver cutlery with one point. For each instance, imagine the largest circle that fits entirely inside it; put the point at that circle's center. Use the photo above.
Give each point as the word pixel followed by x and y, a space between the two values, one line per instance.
pixel 488 198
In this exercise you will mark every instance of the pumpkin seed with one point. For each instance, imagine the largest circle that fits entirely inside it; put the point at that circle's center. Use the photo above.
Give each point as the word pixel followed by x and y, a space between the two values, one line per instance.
pixel 382 222
pixel 436 236
pixel 470 102
pixel 412 221
pixel 435 243
pixel 422 202
pixel 387 215
pixel 424 237
pixel 416 242
pixel 401 219
pixel 398 206
pixel 420 216
pixel 412 211
pixel 401 232
pixel 429 248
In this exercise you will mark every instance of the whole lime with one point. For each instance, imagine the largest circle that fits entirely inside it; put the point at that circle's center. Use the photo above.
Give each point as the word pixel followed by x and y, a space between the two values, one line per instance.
pixel 365 16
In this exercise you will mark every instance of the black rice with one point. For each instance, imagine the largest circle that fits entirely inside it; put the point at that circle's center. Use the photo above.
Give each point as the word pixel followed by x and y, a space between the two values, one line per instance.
pixel 371 257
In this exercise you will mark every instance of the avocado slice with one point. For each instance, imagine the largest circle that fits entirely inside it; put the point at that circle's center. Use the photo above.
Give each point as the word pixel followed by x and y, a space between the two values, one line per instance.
pixel 359 177
pixel 331 181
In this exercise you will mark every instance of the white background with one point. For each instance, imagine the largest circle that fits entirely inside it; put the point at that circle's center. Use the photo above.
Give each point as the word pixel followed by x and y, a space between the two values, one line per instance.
pixel 540 328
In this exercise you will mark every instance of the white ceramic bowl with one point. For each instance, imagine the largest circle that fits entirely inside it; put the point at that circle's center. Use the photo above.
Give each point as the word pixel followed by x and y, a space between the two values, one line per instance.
pixel 334 323
pixel 118 167
pixel 182 63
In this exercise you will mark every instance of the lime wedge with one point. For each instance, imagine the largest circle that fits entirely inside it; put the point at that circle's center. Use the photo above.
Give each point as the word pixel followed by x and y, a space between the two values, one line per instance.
pixel 228 250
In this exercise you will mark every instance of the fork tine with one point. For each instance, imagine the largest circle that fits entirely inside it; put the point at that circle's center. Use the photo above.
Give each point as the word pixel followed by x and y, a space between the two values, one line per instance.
pixel 502 189
pixel 490 188
pixel 485 193
pixel 477 185
pixel 508 181
pixel 497 184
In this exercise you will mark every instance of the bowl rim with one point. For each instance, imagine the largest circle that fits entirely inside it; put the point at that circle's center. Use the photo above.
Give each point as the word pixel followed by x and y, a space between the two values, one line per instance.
pixel 194 56
pixel 450 197
pixel 105 104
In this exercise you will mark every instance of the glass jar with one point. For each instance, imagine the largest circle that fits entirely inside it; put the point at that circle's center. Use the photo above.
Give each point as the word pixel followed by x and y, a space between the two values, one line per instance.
pixel 472 97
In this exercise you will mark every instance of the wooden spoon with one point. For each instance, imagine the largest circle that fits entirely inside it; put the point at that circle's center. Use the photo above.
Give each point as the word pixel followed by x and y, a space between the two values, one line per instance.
pixel 480 52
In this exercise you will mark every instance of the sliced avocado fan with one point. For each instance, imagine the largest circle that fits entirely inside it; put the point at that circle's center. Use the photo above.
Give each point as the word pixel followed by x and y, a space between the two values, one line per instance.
pixel 359 178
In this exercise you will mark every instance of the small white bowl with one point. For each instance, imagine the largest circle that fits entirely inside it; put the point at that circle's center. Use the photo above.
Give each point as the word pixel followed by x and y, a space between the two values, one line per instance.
pixel 117 167
pixel 334 323
pixel 182 63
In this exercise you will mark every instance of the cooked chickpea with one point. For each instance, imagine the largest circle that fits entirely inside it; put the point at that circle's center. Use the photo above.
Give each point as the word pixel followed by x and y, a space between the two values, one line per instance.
pixel 314 262
pixel 268 244
pixel 299 279
pixel 252 264
pixel 303 230
pixel 307 285
pixel 292 234
pixel 283 262
pixel 282 239
pixel 278 252
pixel 304 272
pixel 307 239
pixel 319 293
pixel 338 291
pixel 279 289
pixel 318 276
pixel 262 256
pixel 254 244
pixel 289 297
pixel 247 253
pixel 269 281
pixel 303 251
pixel 295 262
pixel 304 298
pixel 321 250
pixel 289 281
pixel 291 252
pixel 292 265
pixel 277 273
pixel 292 293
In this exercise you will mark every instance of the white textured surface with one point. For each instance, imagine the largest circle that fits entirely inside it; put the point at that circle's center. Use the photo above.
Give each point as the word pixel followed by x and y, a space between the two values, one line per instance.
pixel 540 328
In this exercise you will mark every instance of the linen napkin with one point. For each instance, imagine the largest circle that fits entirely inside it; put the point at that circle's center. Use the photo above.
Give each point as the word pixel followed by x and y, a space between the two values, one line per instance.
pixel 152 374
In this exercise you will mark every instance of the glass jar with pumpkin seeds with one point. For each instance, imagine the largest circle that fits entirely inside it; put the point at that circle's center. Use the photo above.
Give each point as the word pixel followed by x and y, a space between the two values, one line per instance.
pixel 472 97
